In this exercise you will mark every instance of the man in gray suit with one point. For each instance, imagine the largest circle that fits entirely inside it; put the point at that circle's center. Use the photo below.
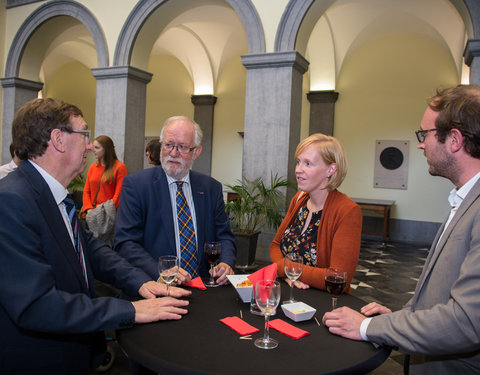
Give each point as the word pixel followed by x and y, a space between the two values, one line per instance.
pixel 440 326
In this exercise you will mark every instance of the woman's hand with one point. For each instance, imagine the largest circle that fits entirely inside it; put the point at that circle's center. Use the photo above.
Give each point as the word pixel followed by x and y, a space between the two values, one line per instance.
pixel 297 283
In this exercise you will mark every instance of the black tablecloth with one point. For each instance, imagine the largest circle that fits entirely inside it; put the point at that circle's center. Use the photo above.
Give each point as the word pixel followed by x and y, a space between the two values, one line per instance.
pixel 200 344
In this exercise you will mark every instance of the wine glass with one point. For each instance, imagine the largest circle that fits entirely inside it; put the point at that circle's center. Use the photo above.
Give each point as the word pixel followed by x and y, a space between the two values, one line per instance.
pixel 267 296
pixel 212 253
pixel 168 269
pixel 335 281
pixel 293 264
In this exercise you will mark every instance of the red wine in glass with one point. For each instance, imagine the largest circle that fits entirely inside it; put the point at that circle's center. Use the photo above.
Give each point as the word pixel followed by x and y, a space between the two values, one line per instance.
pixel 212 252
pixel 335 282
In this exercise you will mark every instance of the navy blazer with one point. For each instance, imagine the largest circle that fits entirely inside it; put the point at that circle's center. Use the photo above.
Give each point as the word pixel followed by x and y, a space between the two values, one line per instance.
pixel 144 227
pixel 48 314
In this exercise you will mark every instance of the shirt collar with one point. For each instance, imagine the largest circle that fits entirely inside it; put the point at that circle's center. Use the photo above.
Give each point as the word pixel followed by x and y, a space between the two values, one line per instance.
pixel 456 197
pixel 58 190
pixel 185 179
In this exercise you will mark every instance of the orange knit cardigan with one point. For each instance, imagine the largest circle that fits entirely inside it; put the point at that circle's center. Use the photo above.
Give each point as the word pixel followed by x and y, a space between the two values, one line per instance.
pixel 338 241
pixel 107 191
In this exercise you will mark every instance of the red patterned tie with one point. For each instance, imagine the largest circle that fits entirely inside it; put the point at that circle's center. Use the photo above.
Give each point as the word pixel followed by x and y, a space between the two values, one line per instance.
pixel 188 246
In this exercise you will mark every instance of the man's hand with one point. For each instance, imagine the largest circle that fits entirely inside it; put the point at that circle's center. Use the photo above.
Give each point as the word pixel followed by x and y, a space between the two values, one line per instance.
pixel 344 322
pixel 221 271
pixel 152 289
pixel 297 283
pixel 165 308
pixel 183 277
pixel 374 308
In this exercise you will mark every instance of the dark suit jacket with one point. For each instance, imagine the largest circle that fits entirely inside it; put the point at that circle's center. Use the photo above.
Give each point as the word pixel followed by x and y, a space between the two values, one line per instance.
pixel 48 315
pixel 144 227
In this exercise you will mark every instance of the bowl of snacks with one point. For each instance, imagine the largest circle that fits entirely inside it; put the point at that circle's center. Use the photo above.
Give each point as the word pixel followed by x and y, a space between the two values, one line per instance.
pixel 298 311
pixel 242 285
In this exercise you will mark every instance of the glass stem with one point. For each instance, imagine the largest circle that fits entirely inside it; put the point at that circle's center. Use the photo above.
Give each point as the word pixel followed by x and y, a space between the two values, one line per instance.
pixel 334 303
pixel 211 274
pixel 168 289
pixel 266 335
pixel 291 292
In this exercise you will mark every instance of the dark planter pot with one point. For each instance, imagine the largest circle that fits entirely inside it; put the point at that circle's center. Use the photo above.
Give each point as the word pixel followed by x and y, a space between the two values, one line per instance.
pixel 246 249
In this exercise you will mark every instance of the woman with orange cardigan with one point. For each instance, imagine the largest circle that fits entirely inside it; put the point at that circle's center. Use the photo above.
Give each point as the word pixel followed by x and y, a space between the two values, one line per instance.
pixel 322 224
pixel 105 177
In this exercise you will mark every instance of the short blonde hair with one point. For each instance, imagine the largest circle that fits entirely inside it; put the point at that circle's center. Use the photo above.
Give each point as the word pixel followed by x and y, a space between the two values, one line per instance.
pixel 331 151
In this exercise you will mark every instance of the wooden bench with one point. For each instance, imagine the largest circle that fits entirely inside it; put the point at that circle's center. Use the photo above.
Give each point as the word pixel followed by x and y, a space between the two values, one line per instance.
pixel 379 206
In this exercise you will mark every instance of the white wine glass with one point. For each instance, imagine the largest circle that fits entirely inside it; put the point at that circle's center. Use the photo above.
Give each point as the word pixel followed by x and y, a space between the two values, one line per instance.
pixel 212 254
pixel 267 297
pixel 335 282
pixel 293 264
pixel 168 269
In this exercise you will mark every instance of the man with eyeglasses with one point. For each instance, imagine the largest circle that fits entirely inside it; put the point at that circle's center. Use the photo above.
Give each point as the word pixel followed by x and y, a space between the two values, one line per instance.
pixel 147 224
pixel 51 321
pixel 440 326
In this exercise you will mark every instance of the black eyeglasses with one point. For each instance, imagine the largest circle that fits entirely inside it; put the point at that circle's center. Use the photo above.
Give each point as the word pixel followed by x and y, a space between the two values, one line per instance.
pixel 421 134
pixel 180 148
pixel 86 133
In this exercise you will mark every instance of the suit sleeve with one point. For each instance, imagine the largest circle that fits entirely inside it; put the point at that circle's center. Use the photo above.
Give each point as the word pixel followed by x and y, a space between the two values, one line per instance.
pixel 444 328
pixel 130 227
pixel 223 232
pixel 31 274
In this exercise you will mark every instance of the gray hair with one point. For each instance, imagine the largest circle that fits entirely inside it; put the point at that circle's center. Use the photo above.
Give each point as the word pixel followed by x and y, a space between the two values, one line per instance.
pixel 198 130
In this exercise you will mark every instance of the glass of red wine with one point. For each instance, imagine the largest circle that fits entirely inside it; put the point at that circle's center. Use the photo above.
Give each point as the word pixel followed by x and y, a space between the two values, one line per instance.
pixel 335 281
pixel 212 254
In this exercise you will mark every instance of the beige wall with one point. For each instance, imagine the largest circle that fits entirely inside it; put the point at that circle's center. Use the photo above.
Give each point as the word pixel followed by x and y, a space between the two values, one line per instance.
pixel 383 98
pixel 168 94
pixel 229 120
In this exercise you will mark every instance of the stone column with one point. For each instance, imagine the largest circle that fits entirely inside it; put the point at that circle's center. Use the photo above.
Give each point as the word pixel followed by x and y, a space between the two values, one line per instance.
pixel 120 111
pixel 203 115
pixel 322 111
pixel 472 59
pixel 272 114
pixel 16 92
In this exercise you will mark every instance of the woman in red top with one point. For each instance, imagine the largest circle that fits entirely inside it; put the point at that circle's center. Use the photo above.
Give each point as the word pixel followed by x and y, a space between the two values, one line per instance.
pixel 106 175
pixel 322 224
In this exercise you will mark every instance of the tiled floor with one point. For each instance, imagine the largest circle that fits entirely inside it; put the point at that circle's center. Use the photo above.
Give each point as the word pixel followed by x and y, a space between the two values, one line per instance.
pixel 384 275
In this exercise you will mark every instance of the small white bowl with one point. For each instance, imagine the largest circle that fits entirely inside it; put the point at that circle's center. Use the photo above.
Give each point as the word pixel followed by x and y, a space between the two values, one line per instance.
pixel 298 311
pixel 245 292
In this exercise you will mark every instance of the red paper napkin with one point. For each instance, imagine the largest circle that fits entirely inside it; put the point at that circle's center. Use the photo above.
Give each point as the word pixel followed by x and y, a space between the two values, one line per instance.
pixel 196 283
pixel 288 329
pixel 237 324
pixel 265 273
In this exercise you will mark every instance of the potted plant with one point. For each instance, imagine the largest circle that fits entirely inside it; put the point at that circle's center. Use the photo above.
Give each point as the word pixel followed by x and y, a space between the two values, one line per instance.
pixel 75 188
pixel 255 206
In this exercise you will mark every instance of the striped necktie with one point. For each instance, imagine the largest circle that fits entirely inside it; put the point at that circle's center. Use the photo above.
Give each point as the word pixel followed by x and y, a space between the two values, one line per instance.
pixel 188 246
pixel 70 206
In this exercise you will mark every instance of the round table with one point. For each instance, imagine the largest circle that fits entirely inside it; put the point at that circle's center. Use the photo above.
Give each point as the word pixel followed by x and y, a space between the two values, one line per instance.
pixel 200 344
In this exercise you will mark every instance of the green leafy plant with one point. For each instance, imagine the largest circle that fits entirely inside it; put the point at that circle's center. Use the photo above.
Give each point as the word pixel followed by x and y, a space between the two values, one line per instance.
pixel 257 205
pixel 77 184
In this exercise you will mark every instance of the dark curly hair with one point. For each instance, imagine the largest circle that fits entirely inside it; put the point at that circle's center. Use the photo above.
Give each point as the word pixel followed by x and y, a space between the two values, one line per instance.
pixel 34 122
pixel 458 108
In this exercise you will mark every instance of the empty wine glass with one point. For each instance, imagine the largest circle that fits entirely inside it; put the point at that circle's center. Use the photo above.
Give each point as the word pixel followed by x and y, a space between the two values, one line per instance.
pixel 267 296
pixel 212 253
pixel 335 281
pixel 168 269
pixel 293 264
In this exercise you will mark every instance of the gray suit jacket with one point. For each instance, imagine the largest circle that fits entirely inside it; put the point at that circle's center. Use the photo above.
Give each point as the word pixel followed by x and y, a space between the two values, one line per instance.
pixel 441 323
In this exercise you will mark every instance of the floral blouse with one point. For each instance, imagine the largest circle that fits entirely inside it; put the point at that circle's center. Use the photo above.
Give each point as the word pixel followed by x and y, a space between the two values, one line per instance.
pixel 305 244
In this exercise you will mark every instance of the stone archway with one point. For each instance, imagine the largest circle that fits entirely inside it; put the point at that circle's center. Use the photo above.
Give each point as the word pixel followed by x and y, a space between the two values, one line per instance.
pixel 18 90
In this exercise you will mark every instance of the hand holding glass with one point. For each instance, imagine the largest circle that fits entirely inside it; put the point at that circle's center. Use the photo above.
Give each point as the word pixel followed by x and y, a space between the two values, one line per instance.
pixel 212 254
pixel 267 296
pixel 335 282
pixel 293 264
pixel 168 269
